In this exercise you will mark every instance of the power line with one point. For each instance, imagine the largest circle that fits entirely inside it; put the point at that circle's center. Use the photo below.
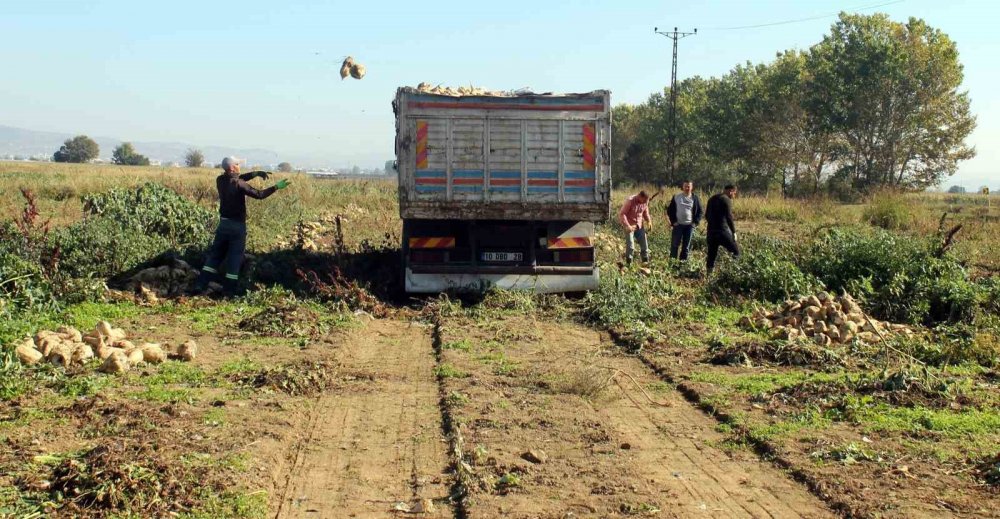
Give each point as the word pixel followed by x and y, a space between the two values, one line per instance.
pixel 674 35
pixel 798 20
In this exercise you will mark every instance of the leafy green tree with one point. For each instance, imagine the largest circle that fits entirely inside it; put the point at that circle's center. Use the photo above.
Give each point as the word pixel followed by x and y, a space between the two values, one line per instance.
pixel 890 91
pixel 285 167
pixel 125 155
pixel 956 189
pixel 79 149
pixel 194 158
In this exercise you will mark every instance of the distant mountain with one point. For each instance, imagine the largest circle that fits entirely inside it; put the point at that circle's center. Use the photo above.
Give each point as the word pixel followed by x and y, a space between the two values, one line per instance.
pixel 29 143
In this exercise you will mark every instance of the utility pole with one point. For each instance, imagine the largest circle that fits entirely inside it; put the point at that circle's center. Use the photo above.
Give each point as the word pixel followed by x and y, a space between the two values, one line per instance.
pixel 672 136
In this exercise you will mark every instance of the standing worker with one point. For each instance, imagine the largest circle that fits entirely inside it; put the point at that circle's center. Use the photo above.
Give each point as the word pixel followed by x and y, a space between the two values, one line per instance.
pixel 684 213
pixel 721 230
pixel 231 235
pixel 634 216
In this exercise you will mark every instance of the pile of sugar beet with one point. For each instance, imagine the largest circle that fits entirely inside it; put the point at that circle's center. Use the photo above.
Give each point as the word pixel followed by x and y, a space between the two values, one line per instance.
pixel 824 318
pixel 68 347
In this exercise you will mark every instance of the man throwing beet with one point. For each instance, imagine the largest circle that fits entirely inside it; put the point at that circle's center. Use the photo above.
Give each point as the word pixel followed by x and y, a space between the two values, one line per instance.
pixel 634 216
pixel 231 235
pixel 721 230
pixel 684 213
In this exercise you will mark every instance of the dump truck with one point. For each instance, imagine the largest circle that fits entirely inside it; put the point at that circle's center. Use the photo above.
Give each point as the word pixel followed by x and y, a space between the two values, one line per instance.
pixel 502 190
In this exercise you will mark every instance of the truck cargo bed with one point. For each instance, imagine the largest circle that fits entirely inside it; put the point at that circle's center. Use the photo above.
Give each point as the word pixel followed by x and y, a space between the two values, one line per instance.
pixel 526 157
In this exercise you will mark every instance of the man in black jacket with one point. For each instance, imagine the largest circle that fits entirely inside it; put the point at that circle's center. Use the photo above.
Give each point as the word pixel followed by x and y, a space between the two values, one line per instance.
pixel 231 235
pixel 684 213
pixel 721 230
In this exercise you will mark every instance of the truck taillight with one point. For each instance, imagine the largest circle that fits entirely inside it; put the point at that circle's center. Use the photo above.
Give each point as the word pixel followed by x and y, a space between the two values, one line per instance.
pixel 427 256
pixel 573 256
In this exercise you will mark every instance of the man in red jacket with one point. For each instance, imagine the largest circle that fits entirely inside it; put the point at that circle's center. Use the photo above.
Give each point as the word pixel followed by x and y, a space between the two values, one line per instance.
pixel 634 216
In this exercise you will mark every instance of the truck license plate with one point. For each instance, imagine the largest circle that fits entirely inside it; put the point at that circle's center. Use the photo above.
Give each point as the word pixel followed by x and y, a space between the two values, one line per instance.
pixel 502 256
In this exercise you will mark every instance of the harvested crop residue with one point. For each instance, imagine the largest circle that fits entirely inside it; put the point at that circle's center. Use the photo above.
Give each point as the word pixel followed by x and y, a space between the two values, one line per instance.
pixel 989 471
pixel 121 475
pixel 127 459
pixel 774 352
pixel 284 320
pixel 301 378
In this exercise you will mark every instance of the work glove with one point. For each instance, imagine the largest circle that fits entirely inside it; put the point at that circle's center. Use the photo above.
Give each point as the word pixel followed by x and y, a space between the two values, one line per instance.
pixel 282 184
pixel 262 174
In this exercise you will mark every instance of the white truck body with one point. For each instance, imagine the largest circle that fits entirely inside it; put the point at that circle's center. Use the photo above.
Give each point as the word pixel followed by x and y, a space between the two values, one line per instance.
pixel 536 167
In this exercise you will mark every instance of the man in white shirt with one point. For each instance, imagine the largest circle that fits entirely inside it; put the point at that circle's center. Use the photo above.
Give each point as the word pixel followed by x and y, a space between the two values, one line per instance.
pixel 685 214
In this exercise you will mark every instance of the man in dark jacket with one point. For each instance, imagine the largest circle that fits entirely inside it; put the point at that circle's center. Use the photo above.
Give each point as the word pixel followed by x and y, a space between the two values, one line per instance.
pixel 721 230
pixel 684 213
pixel 231 235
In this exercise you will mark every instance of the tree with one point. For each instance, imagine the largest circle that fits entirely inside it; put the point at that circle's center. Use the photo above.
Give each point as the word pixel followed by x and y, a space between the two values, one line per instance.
pixel 285 167
pixel 194 158
pixel 890 92
pixel 125 155
pixel 956 190
pixel 79 149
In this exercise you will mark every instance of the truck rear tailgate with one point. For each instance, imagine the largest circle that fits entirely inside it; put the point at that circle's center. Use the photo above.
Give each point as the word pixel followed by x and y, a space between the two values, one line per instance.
pixel 532 157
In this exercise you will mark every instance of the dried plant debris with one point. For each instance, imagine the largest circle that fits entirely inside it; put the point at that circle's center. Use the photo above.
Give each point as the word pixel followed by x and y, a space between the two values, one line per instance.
pixel 775 352
pixel 118 476
pixel 302 378
pixel 284 320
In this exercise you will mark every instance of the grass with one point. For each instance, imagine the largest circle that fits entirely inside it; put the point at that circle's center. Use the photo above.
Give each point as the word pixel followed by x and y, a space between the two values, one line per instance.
pixel 250 505
pixel 174 372
pixel 889 211
pixel 82 386
pixel 85 316
pixel 757 384
pixel 212 319
pixel 236 367
pixel 881 417
pixel 464 345
pixel 215 417
pixel 448 371
pixel 61 186
pixel 502 365
pixel 457 399
pixel 165 394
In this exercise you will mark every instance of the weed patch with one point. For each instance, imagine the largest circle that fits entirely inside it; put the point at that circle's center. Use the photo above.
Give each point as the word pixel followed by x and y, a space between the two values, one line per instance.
pixel 448 371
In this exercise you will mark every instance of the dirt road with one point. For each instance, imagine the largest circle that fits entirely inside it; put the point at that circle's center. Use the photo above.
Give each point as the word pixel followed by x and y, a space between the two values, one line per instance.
pixel 612 439
pixel 375 442
pixel 618 441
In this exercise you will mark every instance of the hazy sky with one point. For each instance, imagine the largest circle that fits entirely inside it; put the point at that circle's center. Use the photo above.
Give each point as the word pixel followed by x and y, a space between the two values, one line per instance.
pixel 264 74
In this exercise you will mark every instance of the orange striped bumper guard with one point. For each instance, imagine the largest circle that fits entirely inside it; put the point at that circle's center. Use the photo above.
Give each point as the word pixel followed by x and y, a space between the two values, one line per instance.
pixel 569 243
pixel 432 243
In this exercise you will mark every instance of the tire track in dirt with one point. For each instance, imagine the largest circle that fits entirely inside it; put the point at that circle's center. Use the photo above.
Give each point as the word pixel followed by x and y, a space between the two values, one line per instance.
pixel 616 452
pixel 375 440
pixel 763 448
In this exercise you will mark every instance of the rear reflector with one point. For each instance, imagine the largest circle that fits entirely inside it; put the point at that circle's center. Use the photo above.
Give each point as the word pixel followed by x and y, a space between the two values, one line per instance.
pixel 432 243
pixel 427 256
pixel 573 256
pixel 569 243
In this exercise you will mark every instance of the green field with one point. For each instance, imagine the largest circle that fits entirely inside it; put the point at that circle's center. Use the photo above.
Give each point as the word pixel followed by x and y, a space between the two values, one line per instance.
pixel 857 423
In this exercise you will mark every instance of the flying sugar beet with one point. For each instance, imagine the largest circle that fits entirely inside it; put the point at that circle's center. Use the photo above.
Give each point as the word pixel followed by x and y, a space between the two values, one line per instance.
pixel 352 68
